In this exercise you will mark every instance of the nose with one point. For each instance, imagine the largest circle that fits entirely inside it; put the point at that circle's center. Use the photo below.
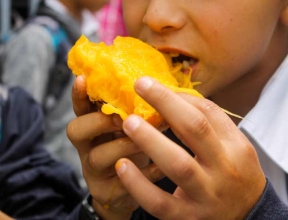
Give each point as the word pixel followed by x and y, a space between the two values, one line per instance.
pixel 164 16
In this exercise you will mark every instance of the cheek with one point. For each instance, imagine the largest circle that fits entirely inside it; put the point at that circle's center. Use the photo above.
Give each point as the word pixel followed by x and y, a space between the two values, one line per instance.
pixel 133 13
pixel 233 46
pixel 227 59
pixel 241 30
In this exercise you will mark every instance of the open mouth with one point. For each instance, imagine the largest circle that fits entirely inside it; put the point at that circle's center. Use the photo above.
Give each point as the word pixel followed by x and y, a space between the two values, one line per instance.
pixel 186 61
pixel 181 67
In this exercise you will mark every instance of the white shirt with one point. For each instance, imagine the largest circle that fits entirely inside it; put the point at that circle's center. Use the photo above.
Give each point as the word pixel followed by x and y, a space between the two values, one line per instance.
pixel 267 129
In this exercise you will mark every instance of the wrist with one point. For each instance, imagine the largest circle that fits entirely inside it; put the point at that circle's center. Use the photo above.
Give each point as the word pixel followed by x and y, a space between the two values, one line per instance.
pixel 87 211
pixel 107 213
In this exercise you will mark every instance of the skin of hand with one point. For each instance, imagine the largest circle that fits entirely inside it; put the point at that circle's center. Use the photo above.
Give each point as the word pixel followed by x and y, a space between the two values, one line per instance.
pixel 3 216
pixel 223 181
pixel 100 144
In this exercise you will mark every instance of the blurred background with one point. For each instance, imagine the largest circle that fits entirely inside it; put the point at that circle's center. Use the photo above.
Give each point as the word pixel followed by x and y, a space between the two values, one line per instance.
pixel 35 38
pixel 13 12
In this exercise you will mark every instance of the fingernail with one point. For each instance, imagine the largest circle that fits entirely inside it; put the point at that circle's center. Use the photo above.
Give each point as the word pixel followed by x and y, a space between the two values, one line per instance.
pixel 163 126
pixel 81 78
pixel 132 122
pixel 120 167
pixel 144 83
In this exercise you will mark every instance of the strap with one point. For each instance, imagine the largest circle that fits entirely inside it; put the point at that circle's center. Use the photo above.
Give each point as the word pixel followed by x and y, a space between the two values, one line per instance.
pixel 69 24
pixel 3 99
pixel 3 93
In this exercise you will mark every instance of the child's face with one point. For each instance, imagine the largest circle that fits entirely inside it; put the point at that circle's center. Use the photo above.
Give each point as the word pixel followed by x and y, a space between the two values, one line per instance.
pixel 226 38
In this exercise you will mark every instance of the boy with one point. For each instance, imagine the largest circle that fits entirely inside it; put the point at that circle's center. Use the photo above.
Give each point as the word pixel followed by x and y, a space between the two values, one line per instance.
pixel 237 51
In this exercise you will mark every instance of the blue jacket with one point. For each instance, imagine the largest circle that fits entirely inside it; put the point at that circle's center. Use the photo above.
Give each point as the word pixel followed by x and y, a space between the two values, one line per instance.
pixel 33 185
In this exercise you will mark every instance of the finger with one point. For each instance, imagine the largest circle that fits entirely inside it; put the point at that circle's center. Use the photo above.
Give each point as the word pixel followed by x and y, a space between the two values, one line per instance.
pixel 114 189
pixel 81 131
pixel 152 172
pixel 110 194
pixel 163 126
pixel 219 120
pixel 81 103
pixel 138 186
pixel 173 160
pixel 192 127
pixel 105 155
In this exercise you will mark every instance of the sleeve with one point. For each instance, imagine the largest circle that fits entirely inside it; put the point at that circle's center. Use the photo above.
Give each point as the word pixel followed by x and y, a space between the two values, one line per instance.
pixel 76 214
pixel 269 206
pixel 33 185
pixel 27 60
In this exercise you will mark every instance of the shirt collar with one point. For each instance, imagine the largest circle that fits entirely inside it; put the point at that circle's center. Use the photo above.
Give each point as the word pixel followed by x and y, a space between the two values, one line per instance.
pixel 267 123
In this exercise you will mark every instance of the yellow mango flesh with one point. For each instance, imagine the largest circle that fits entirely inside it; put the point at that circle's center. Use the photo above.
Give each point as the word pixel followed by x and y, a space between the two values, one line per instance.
pixel 111 72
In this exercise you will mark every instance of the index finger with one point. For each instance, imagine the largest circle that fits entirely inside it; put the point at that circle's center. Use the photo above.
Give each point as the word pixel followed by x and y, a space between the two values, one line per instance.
pixel 189 124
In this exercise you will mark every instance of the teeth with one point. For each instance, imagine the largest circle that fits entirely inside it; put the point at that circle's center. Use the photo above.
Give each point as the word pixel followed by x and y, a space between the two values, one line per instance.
pixel 174 54
pixel 186 64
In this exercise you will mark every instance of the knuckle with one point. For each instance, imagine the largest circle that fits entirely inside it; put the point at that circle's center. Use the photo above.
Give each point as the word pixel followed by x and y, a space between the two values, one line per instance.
pixel 185 171
pixel 199 125
pixel 70 131
pixel 162 94
pixel 250 152
pixel 208 107
pixel 159 207
pixel 94 161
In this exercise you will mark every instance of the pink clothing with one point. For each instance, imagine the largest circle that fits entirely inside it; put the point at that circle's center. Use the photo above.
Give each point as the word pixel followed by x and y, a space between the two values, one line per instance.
pixel 111 22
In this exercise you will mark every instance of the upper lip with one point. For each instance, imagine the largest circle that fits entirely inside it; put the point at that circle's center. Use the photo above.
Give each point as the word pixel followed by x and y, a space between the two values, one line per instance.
pixel 176 50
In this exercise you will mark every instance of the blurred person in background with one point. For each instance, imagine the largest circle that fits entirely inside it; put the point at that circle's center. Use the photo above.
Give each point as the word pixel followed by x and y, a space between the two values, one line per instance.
pixel 35 58
pixel 111 23
pixel 33 184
